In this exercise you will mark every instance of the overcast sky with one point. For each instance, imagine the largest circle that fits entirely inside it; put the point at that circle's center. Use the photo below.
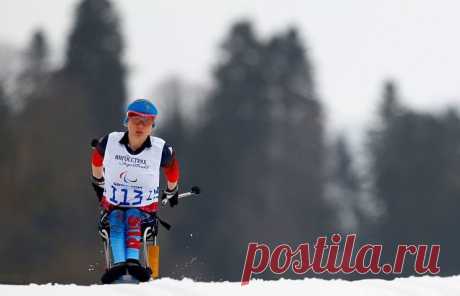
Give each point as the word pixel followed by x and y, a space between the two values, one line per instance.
pixel 354 44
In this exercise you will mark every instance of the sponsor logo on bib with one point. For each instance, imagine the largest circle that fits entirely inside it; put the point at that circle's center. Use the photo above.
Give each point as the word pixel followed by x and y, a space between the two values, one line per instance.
pixel 129 161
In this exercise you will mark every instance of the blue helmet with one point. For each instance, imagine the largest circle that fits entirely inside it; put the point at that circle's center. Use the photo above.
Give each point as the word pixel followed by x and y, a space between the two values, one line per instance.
pixel 141 107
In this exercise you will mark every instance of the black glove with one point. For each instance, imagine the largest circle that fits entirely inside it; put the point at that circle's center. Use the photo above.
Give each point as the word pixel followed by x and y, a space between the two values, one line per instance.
pixel 172 195
pixel 98 186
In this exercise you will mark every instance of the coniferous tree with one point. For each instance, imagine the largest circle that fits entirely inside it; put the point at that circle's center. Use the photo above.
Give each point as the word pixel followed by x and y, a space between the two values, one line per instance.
pixel 36 69
pixel 296 142
pixel 77 103
pixel 223 146
pixel 263 131
pixel 4 115
pixel 6 150
pixel 172 125
pixel 94 63
pixel 414 160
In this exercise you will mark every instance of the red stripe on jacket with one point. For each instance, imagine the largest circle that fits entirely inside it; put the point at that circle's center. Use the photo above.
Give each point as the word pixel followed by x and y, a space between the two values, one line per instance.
pixel 96 158
pixel 172 171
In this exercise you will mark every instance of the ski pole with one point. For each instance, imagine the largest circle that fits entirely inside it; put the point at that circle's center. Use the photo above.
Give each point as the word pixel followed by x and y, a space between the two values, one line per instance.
pixel 195 190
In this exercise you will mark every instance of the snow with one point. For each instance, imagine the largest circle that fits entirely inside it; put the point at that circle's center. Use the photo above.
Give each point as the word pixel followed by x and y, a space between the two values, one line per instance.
pixel 426 286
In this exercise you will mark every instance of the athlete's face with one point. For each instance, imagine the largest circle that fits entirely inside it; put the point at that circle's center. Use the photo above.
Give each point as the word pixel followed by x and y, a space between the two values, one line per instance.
pixel 140 127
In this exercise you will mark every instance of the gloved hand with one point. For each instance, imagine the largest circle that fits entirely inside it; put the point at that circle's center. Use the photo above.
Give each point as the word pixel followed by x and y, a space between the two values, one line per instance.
pixel 98 186
pixel 172 195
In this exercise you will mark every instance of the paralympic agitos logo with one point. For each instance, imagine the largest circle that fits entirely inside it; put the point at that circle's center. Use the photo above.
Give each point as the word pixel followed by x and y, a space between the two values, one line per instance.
pixel 126 179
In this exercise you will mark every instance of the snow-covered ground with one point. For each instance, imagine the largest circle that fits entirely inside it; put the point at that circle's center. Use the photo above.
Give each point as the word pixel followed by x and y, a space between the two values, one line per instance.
pixel 425 286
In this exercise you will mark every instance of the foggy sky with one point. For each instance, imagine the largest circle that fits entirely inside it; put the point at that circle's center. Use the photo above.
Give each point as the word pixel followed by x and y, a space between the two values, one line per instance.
pixel 354 44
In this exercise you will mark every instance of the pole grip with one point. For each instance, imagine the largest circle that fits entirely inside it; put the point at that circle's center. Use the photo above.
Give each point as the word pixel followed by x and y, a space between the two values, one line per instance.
pixel 195 190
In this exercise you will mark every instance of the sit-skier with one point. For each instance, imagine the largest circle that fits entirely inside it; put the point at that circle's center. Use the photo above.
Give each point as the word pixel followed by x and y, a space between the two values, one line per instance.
pixel 126 178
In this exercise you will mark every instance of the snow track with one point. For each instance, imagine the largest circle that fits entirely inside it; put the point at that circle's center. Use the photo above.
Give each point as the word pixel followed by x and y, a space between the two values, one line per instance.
pixel 425 286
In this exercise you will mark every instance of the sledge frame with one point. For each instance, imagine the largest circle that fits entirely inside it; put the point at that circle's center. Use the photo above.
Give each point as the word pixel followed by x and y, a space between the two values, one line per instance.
pixel 149 230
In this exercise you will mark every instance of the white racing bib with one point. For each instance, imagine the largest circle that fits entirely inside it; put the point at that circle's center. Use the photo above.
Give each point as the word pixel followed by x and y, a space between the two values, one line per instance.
pixel 132 180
